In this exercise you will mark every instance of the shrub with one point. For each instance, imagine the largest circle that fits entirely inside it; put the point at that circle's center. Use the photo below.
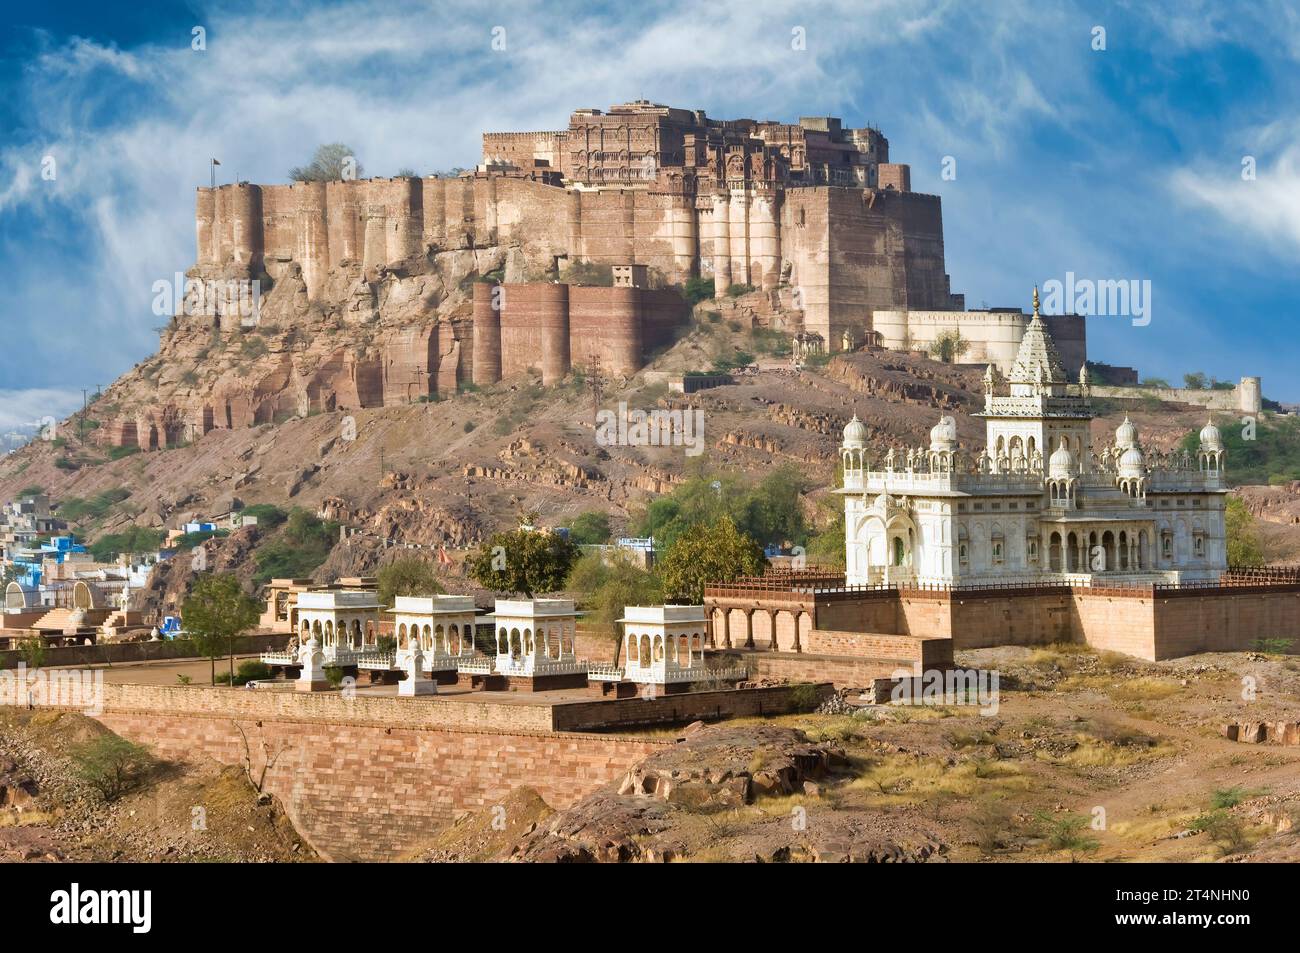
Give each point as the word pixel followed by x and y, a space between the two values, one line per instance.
pixel 1273 646
pixel 698 289
pixel 299 548
pixel 736 290
pixel 333 675
pixel 250 670
pixel 1067 833
pixel 112 765
pixel 1228 797
pixel 803 698
pixel 1226 831
pixel 133 539
pixel 268 515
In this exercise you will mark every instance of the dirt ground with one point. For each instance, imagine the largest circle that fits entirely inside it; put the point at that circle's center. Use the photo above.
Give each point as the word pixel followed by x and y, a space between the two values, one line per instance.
pixel 1086 758
pixel 53 806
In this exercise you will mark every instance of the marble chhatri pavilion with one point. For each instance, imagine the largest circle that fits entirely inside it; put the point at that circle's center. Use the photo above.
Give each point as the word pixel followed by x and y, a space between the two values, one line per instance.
pixel 1040 503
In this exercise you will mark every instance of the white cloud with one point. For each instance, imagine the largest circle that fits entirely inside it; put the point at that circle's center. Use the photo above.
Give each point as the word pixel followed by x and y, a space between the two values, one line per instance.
pixel 414 84
pixel 28 408
pixel 1265 209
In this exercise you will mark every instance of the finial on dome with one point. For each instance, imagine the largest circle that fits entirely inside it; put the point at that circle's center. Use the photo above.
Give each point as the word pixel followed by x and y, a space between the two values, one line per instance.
pixel 1083 373
pixel 1035 300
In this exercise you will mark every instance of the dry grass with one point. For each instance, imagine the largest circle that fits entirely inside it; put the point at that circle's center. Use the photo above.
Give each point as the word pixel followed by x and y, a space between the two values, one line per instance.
pixel 908 779
pixel 1144 689
pixel 1109 745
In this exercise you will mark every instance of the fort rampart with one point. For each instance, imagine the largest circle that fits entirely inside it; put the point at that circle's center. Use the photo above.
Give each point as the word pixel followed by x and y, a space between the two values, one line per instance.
pixel 848 250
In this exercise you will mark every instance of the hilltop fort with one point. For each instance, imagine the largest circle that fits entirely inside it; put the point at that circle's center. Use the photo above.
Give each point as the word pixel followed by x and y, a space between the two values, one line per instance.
pixel 386 291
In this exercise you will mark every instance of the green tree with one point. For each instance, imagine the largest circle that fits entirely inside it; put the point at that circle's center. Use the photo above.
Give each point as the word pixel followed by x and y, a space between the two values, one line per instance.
pixel 606 583
pixel 268 515
pixel 298 549
pixel 826 548
pixel 32 651
pixel 771 511
pixel 215 613
pixel 949 345
pixel 407 576
pixel 331 162
pixel 112 765
pixel 1244 548
pixel 524 560
pixel 590 528
pixel 133 539
pixel 716 552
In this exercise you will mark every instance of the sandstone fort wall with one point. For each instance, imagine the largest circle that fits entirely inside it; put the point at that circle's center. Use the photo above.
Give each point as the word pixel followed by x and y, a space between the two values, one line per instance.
pixel 849 251
pixel 370 777
pixel 365 792
pixel 1246 397
pixel 1148 623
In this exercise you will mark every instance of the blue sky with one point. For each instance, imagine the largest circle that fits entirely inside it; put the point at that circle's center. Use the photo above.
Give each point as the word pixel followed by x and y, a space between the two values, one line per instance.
pixel 1122 163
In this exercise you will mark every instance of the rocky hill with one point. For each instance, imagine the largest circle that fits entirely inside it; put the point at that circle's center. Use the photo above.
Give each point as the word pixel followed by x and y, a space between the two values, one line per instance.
pixel 450 472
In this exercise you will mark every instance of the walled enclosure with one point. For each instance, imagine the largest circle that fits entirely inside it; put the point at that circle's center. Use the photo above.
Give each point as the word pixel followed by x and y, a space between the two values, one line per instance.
pixel 907 626
pixel 370 777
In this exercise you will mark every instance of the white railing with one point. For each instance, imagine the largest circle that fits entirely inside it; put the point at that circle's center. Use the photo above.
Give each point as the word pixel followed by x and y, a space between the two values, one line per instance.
pixel 476 666
pixel 279 658
pixel 678 676
pixel 529 667
pixel 377 661
pixel 604 672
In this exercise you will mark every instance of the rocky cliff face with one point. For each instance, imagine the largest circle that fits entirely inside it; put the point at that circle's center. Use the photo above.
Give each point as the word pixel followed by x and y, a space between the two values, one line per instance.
pixel 248 347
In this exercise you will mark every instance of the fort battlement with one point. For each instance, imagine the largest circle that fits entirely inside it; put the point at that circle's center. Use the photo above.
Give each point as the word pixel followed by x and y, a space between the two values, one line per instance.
pixel 811 206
